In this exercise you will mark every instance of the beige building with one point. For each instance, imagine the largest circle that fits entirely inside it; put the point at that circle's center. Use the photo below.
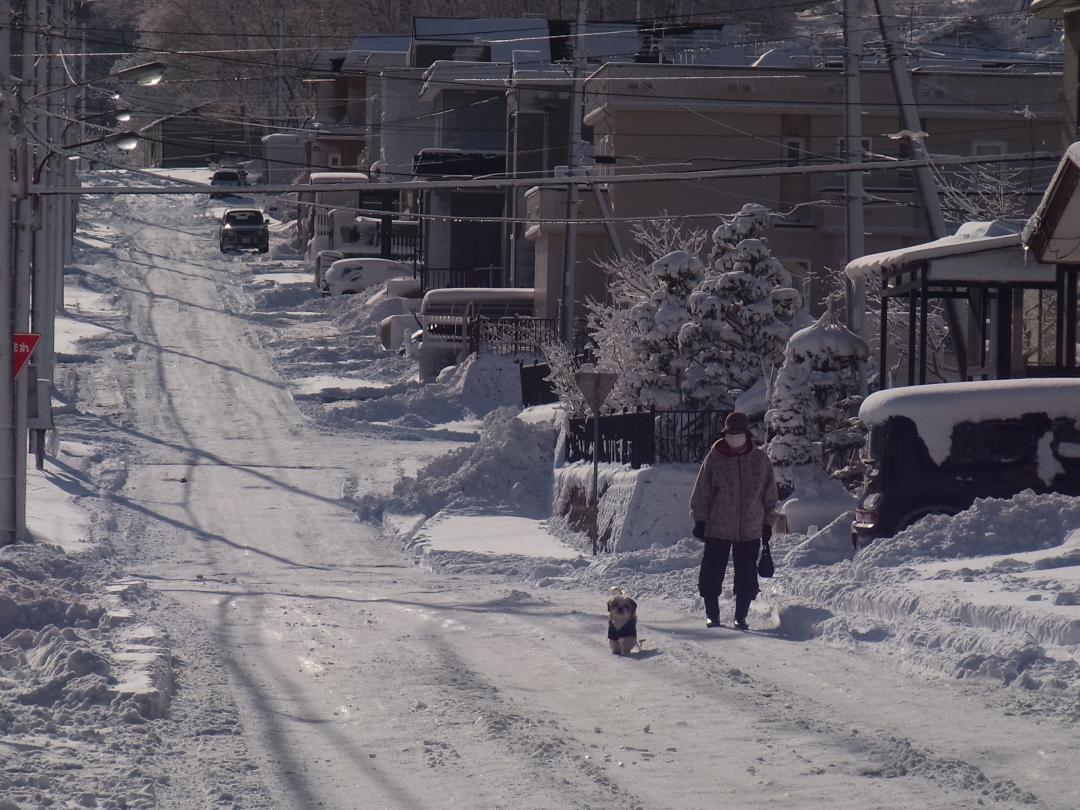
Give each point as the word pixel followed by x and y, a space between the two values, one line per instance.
pixel 649 118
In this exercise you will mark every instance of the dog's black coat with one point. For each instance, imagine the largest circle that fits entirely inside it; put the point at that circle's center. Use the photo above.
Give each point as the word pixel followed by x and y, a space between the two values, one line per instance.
pixel 628 630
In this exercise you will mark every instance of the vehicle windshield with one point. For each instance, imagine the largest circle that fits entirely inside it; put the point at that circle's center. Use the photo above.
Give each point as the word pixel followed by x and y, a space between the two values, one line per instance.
pixel 243 218
pixel 225 177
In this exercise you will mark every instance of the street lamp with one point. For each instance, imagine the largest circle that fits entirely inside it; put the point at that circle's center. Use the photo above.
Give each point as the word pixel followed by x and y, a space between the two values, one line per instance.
pixel 124 141
pixel 146 75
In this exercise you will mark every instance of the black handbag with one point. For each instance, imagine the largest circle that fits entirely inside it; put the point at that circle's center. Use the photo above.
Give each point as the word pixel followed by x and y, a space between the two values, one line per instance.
pixel 765 567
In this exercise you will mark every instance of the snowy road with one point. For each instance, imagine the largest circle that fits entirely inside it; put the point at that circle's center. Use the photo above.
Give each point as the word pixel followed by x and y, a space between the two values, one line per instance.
pixel 319 667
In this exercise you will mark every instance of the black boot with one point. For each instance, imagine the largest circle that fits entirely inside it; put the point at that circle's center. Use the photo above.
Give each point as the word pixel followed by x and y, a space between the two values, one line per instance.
pixel 742 607
pixel 712 611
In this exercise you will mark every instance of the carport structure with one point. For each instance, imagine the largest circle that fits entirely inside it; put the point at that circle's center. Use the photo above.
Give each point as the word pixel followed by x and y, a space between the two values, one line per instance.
pixel 1020 315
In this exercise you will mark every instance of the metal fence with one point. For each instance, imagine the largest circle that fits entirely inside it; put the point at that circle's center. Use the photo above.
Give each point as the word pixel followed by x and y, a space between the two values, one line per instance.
pixel 535 388
pixel 510 335
pixel 646 436
pixel 440 278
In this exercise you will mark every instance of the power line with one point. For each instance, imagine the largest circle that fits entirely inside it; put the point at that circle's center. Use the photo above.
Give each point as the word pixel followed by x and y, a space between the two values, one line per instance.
pixel 591 179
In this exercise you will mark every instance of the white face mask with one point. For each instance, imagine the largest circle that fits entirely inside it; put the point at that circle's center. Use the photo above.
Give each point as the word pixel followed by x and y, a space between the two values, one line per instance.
pixel 735 440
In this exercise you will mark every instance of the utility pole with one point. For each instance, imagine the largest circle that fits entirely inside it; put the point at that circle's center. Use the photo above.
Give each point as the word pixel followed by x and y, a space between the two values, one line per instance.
pixel 43 312
pixel 855 244
pixel 573 162
pixel 9 445
pixel 924 178
pixel 24 247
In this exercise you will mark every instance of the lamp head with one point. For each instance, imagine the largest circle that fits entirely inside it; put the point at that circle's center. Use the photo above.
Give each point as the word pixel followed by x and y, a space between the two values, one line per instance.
pixel 149 74
pixel 124 141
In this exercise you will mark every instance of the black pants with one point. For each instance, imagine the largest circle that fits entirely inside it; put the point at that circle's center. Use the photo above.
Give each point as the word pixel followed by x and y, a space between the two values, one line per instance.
pixel 714 565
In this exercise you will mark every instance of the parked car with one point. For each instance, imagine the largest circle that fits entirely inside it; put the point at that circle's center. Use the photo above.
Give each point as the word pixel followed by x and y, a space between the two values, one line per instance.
pixel 348 276
pixel 244 228
pixel 934 449
pixel 225 179
pixel 323 260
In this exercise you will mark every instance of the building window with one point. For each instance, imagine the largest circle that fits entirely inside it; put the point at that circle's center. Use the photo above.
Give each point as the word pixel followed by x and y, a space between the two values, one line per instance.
pixel 794 151
pixel 867 149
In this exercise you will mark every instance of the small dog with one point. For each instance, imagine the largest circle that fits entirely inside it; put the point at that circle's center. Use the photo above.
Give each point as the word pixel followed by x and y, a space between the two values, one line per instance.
pixel 622 622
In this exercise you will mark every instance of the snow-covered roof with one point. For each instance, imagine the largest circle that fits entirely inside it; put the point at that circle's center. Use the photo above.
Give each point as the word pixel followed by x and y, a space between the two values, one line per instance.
pixel 1053 231
pixel 937 409
pixel 466 295
pixel 824 336
pixel 339 177
pixel 978 251
pixel 446 74
pixel 503 35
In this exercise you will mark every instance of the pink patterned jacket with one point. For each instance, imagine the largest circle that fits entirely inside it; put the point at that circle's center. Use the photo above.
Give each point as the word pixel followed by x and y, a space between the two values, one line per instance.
pixel 735 494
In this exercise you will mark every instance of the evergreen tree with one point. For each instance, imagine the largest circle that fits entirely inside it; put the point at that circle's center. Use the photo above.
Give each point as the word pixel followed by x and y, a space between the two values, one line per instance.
pixel 815 394
pixel 741 314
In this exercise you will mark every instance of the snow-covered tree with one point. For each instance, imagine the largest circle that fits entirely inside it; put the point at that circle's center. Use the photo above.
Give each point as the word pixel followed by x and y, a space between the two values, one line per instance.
pixel 815 394
pixel 683 331
pixel 655 325
pixel 631 281
pixel 741 313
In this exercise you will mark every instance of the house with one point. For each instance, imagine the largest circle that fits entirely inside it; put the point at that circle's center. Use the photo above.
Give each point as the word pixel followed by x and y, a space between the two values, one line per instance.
pixel 649 118
pixel 199 136
pixel 1017 283
pixel 1068 12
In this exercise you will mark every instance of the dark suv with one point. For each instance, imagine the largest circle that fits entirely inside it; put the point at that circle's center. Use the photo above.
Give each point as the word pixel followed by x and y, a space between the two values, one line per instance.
pixel 244 228
pixel 934 449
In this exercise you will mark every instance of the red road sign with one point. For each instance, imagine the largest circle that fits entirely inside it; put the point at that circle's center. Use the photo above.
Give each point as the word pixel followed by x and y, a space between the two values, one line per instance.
pixel 25 342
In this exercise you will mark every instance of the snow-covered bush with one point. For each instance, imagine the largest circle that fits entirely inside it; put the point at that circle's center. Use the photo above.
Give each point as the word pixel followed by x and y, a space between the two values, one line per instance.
pixel 815 394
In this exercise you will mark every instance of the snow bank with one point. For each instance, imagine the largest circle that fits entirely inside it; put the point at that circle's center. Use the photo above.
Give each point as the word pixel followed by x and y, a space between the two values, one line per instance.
pixel 1026 522
pixel 476 387
pixel 507 471
pixel 817 501
pixel 78 684
pixel 637 509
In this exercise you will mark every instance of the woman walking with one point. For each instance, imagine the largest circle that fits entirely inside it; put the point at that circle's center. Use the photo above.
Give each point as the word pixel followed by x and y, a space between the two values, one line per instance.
pixel 732 505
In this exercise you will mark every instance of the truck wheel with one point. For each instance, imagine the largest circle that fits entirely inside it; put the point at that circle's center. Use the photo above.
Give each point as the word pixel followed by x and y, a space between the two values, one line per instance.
pixel 924 511
pixel 264 249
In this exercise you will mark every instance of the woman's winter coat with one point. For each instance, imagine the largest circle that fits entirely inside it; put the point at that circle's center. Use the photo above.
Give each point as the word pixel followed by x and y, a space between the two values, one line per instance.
pixel 734 494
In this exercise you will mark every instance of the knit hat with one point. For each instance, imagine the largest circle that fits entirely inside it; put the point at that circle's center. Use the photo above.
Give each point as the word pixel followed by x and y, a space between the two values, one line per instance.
pixel 737 422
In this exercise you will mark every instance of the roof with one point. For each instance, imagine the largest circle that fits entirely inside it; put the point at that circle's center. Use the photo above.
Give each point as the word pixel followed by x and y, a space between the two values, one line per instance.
pixel 503 34
pixel 1053 231
pixel 339 177
pixel 466 295
pixel 952 257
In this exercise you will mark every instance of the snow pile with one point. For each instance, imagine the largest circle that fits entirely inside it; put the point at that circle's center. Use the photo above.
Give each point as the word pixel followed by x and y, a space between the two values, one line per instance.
pixel 829 545
pixel 484 382
pixel 637 508
pixel 476 387
pixel 817 500
pixel 78 686
pixel 1026 522
pixel 507 471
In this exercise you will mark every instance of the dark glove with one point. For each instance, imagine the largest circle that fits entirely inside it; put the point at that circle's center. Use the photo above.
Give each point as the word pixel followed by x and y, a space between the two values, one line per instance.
pixel 699 529
pixel 766 533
